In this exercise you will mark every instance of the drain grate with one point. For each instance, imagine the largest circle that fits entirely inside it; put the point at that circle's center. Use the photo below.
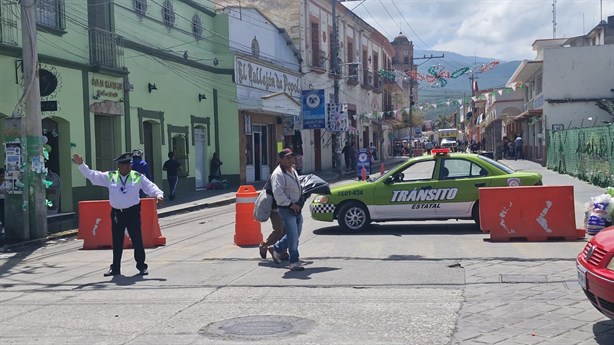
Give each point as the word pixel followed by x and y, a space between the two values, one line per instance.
pixel 523 278
pixel 258 327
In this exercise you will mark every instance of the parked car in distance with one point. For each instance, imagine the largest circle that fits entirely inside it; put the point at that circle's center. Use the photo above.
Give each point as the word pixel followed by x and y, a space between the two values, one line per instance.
pixel 440 186
pixel 596 271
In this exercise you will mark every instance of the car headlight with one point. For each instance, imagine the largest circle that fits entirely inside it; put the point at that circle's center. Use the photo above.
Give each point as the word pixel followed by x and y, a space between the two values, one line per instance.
pixel 611 264
pixel 321 199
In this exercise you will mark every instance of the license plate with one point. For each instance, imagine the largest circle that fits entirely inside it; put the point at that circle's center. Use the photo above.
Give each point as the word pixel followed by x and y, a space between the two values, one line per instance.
pixel 582 277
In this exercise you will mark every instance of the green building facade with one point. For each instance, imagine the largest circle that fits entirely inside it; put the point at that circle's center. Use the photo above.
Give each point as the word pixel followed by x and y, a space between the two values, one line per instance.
pixel 125 74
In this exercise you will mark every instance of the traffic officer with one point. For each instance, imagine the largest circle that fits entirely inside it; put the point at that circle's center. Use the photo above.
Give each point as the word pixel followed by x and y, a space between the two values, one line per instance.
pixel 124 185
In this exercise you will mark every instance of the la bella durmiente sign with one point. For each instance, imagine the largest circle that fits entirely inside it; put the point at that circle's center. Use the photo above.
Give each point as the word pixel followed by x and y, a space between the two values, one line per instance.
pixel 261 77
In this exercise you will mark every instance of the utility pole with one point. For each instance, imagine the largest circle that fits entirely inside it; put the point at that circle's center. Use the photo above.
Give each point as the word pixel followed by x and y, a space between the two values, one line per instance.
pixel 336 139
pixel 34 195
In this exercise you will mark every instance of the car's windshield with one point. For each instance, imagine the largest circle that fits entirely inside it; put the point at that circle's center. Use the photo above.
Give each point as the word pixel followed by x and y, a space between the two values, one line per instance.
pixel 497 164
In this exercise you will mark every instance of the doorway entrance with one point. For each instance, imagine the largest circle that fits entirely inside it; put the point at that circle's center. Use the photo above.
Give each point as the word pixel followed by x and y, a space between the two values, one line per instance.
pixel 257 151
pixel 200 150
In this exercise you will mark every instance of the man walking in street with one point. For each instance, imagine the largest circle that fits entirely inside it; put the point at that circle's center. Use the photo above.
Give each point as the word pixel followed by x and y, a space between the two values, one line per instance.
pixel 287 192
pixel 124 185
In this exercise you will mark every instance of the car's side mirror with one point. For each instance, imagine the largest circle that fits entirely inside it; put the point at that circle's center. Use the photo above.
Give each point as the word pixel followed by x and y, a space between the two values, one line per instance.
pixel 389 180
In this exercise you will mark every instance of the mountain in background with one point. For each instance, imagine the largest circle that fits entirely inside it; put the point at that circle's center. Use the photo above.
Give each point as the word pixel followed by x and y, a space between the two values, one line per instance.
pixel 460 87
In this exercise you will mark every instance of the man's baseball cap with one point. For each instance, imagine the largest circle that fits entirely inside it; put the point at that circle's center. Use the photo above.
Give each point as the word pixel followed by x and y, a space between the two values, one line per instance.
pixel 285 152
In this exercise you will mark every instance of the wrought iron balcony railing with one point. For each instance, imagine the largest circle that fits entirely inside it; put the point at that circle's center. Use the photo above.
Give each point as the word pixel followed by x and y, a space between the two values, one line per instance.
pixel 106 49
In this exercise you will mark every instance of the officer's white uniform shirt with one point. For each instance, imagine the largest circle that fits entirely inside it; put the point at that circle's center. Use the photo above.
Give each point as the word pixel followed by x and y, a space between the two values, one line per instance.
pixel 123 190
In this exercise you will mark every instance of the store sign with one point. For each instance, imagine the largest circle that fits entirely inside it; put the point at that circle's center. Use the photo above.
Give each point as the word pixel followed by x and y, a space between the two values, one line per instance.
pixel 250 74
pixel 107 88
pixel 313 109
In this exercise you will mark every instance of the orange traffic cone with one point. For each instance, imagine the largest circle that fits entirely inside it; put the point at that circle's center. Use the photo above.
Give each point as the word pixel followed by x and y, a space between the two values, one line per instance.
pixel 364 173
pixel 382 170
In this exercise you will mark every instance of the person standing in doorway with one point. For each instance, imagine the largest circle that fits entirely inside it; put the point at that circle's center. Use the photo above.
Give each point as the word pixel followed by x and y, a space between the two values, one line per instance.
pixel 518 147
pixel 124 185
pixel 287 192
pixel 172 168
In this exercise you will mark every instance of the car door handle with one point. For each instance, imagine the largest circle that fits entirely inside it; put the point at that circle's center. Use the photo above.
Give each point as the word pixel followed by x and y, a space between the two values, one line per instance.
pixel 483 184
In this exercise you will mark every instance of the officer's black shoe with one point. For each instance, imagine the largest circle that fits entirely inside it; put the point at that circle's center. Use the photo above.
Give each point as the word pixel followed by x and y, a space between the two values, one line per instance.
pixel 111 272
pixel 143 272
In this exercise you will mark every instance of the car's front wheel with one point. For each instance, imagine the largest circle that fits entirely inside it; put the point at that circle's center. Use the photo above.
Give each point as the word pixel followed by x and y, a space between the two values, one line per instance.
pixel 353 216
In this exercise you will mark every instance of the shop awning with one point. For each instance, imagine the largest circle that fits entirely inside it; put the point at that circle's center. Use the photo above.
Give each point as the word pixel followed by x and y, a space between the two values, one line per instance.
pixel 528 114
pixel 279 103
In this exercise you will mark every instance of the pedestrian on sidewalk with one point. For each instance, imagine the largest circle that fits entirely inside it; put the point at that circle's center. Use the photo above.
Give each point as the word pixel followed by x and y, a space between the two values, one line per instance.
pixel 518 147
pixel 2 191
pixel 172 168
pixel 139 164
pixel 124 185
pixel 287 192
pixel 346 155
pixel 215 168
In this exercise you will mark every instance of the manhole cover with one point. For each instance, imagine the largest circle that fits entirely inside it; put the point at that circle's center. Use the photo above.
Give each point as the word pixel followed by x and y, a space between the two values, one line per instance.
pixel 258 327
pixel 522 278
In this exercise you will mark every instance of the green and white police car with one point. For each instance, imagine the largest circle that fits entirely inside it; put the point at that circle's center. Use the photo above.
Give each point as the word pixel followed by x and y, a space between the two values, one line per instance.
pixel 441 186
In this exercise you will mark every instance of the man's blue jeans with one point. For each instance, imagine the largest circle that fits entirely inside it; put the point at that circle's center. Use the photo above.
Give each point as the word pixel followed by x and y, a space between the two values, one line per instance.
pixel 293 225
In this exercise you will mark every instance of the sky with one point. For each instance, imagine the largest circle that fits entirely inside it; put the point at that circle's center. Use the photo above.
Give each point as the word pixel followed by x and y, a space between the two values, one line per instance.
pixel 499 29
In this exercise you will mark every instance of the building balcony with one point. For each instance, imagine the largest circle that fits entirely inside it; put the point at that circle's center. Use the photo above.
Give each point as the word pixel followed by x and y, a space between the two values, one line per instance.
pixel 9 32
pixel 106 49
pixel 367 80
pixel 352 78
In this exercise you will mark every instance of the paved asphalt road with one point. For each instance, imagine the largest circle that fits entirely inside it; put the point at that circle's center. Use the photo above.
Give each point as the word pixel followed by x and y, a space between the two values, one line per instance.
pixel 398 283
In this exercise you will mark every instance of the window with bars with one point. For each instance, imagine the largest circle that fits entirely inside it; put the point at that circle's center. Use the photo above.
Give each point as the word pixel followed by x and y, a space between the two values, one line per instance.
pixel 140 7
pixel 168 14
pixel 315 44
pixel 197 27
pixel 50 14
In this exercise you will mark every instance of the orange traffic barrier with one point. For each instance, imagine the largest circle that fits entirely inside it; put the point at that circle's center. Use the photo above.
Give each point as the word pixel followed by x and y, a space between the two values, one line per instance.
pixel 247 229
pixel 363 173
pixel 95 225
pixel 150 228
pixel 535 213
pixel 382 169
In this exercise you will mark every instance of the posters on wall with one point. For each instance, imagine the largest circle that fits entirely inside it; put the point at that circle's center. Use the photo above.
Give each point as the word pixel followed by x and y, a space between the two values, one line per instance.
pixel 12 174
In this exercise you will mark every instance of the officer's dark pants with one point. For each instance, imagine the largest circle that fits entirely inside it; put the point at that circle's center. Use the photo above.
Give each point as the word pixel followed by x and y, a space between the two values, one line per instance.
pixel 128 218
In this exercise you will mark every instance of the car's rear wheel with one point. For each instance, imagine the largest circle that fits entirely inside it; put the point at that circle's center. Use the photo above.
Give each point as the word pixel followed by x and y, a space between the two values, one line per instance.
pixel 475 213
pixel 353 216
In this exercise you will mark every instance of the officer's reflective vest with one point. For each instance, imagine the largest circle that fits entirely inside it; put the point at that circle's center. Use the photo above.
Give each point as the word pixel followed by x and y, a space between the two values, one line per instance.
pixel 135 177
